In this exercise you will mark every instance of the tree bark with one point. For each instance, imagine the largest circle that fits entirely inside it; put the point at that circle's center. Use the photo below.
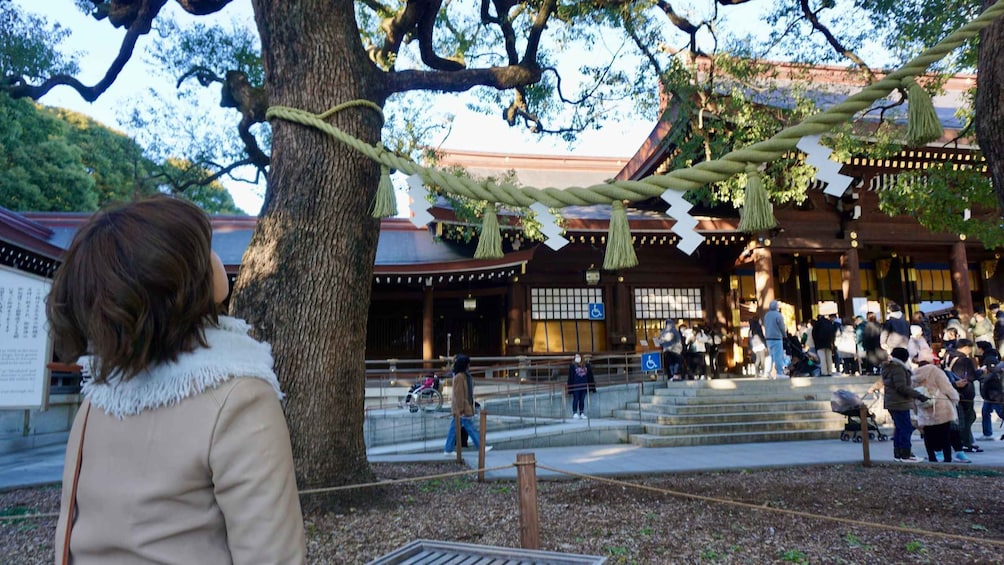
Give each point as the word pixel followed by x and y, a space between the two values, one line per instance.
pixel 306 277
pixel 990 101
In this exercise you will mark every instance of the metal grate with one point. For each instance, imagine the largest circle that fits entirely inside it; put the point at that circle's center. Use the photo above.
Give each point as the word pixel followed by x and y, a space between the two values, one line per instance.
pixel 443 552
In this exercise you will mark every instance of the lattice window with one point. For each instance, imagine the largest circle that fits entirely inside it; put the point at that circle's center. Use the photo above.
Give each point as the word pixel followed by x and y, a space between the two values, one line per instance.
pixel 665 303
pixel 563 303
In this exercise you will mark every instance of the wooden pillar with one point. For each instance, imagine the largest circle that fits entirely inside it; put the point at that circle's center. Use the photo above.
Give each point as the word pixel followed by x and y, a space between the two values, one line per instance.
pixel 763 278
pixel 428 327
pixel 962 294
pixel 850 280
pixel 516 333
pixel 526 485
pixel 623 327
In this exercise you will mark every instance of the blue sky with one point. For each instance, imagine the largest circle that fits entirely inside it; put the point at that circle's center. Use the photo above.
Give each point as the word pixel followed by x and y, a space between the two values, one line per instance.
pixel 97 44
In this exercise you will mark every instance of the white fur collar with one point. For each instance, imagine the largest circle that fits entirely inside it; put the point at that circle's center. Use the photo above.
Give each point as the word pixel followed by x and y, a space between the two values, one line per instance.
pixel 231 353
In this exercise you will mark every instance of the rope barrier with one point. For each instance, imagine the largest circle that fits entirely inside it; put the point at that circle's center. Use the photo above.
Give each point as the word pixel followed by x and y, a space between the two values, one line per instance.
pixel 402 481
pixel 319 490
pixel 652 186
pixel 29 517
pixel 797 513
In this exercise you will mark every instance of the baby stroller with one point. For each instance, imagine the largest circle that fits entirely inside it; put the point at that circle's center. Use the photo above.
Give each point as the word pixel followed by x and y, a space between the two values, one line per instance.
pixel 424 395
pixel 846 403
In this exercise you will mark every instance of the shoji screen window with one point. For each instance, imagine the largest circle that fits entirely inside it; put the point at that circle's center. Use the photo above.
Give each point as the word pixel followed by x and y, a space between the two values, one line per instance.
pixel 560 320
pixel 653 306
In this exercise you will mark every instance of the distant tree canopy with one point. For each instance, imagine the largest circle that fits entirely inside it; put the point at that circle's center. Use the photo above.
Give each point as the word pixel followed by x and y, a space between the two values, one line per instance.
pixel 55 160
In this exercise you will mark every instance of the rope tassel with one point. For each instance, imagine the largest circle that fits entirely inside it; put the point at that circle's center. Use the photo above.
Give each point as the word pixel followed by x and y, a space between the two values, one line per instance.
pixel 757 214
pixel 385 204
pixel 490 242
pixel 620 251
pixel 923 125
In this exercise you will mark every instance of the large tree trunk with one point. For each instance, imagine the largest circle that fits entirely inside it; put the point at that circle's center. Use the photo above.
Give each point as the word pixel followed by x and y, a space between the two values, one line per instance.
pixel 306 277
pixel 990 101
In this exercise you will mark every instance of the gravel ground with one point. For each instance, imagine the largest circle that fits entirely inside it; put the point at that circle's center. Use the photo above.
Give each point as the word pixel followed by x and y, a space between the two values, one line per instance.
pixel 627 524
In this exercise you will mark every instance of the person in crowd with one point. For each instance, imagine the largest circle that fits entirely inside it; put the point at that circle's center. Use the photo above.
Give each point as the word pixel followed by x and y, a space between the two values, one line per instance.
pixel 805 336
pixel 758 347
pixel 824 336
pixel 671 342
pixel 180 451
pixel 962 367
pixel 580 382
pixel 899 401
pixel 919 318
pixel 991 390
pixel 716 337
pixel 980 328
pixel 461 407
pixel 999 330
pixel 895 330
pixel 917 343
pixel 935 416
pixel 871 341
pixel 697 352
pixel 774 333
pixel 954 322
pixel 949 340
pixel 847 350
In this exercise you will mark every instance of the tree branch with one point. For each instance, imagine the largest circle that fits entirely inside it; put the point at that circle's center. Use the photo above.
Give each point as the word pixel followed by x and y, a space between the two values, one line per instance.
pixel 251 102
pixel 202 7
pixel 178 186
pixel 813 18
pixel 424 32
pixel 547 8
pixel 395 29
pixel 138 15
pixel 502 78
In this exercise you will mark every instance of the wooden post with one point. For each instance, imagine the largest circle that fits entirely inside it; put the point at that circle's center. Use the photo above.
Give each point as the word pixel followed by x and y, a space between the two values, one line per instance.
pixel 482 432
pixel 526 482
pixel 456 429
pixel 863 414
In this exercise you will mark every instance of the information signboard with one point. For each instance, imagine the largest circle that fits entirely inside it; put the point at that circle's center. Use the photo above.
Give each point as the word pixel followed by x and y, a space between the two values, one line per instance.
pixel 25 347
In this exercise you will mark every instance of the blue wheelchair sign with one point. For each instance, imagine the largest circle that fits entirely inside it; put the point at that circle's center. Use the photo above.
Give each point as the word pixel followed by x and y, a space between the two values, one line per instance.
pixel 596 311
pixel 651 362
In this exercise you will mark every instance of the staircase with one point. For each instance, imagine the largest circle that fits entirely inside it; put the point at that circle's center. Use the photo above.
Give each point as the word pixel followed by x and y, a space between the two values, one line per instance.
pixel 742 411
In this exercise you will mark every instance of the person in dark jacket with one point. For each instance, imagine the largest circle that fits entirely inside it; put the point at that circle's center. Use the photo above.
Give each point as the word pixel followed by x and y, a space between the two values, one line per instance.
pixel 871 342
pixel 899 400
pixel 895 330
pixel 824 335
pixel 961 365
pixel 991 390
pixel 580 381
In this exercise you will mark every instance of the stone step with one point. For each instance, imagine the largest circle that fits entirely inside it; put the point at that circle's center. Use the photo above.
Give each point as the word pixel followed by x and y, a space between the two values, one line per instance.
pixel 817 387
pixel 745 427
pixel 750 407
pixel 719 417
pixel 737 399
pixel 646 440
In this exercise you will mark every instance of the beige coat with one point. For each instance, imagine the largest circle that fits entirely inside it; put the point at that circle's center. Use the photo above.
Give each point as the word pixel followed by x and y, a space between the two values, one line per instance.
pixel 207 480
pixel 945 397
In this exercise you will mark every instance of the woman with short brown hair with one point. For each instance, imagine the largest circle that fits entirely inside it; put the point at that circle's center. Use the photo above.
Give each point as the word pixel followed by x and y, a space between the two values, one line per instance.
pixel 186 457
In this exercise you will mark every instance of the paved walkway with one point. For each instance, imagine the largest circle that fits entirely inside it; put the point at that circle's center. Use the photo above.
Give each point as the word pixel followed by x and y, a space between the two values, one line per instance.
pixel 45 465
pixel 623 460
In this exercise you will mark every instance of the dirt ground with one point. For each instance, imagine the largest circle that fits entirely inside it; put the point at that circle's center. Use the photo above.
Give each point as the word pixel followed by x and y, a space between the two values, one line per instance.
pixel 628 524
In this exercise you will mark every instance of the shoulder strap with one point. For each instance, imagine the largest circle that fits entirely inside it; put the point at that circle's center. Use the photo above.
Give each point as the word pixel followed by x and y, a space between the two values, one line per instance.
pixel 70 514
